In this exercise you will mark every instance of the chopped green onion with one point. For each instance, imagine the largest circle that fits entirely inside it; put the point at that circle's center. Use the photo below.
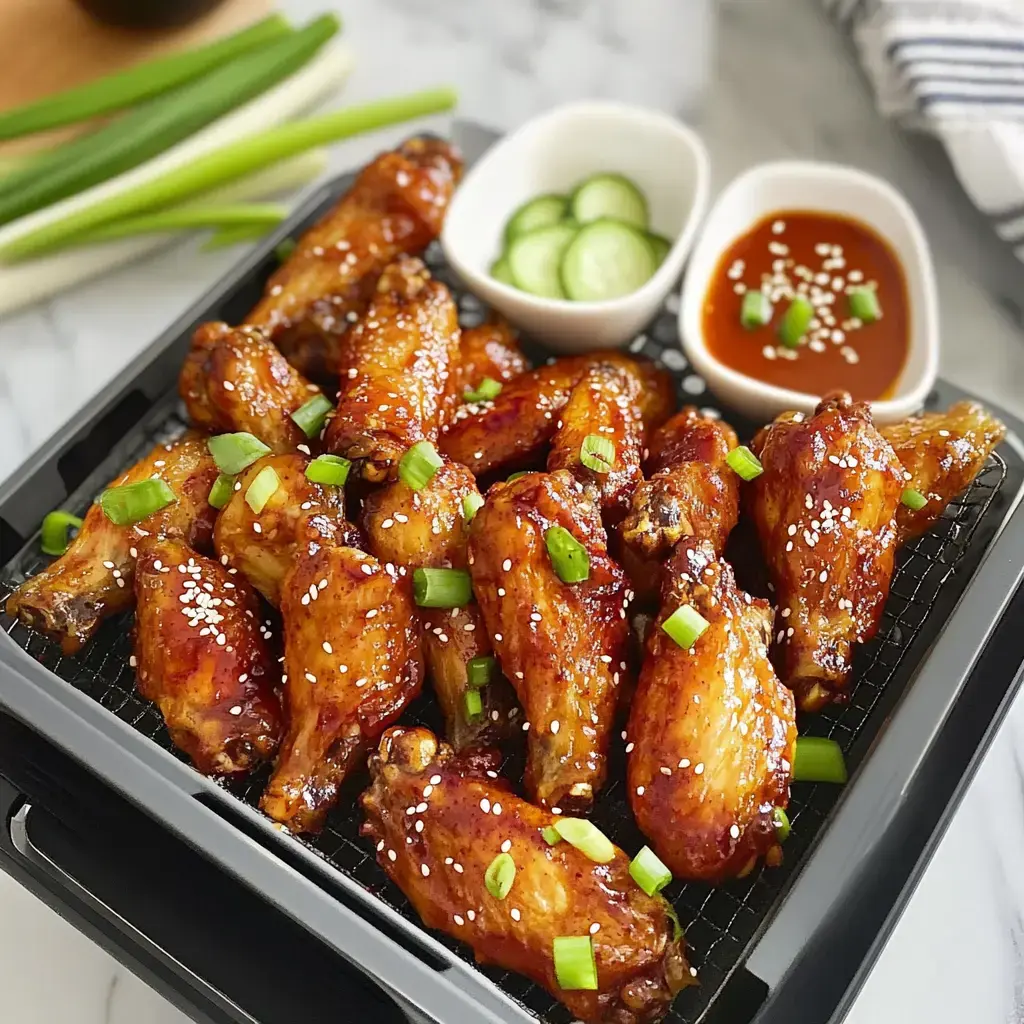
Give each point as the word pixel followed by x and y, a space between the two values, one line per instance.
pixel 419 464
pixel 487 391
pixel 474 704
pixel 331 470
pixel 568 556
pixel 914 500
pixel 131 503
pixel 649 872
pixel 500 875
pixel 220 492
pixel 575 966
pixel 516 476
pixel 587 838
pixel 745 463
pixel 284 249
pixel 234 452
pixel 597 453
pixel 685 625
pixel 551 836
pixel 677 927
pixel 311 415
pixel 262 489
pixel 471 504
pixel 795 322
pixel 481 670
pixel 442 588
pixel 782 825
pixel 818 760
pixel 54 533
pixel 864 305
pixel 756 310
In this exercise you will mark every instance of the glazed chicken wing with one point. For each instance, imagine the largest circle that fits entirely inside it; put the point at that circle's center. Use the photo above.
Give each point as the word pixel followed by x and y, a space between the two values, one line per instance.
pixel 825 513
pixel 463 819
pixel 490 350
pixel 234 380
pixel 402 353
pixel 711 731
pixel 942 453
pixel 563 646
pixel 204 657
pixel 93 579
pixel 397 205
pixel 352 665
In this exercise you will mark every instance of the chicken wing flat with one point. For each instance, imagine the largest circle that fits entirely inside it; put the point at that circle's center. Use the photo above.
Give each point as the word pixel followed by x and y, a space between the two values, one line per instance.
pixel 942 453
pixel 204 657
pixel 93 579
pixel 438 856
pixel 563 646
pixel 490 350
pixel 825 513
pixel 397 205
pixel 352 665
pixel 402 354
pixel 711 731
pixel 234 379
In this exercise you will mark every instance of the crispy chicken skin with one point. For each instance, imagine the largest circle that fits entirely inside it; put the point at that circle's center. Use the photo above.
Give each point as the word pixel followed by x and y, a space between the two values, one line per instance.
pixel 402 354
pixel 825 512
pixel 298 516
pixel 563 646
pixel 205 659
pixel 943 452
pixel 718 719
pixel 234 379
pixel 397 205
pixel 468 819
pixel 352 665
pixel 93 579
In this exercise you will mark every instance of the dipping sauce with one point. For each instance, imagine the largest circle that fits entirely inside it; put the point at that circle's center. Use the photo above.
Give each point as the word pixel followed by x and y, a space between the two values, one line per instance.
pixel 829 262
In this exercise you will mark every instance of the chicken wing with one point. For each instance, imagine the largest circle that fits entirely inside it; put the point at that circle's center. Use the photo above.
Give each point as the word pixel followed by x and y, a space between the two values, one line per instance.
pixel 711 730
pixel 825 512
pixel 461 819
pixel 93 579
pixel 352 665
pixel 402 353
pixel 397 205
pixel 490 350
pixel 563 646
pixel 234 379
pixel 204 657
pixel 942 453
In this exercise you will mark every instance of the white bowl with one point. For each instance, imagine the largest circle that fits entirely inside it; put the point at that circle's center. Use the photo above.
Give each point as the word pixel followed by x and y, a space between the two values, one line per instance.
pixel 552 153
pixel 828 188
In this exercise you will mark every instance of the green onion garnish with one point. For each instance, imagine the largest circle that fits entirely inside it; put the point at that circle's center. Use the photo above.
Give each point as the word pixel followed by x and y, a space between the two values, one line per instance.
pixel 685 625
pixel 745 463
pixel 756 310
pixel 597 453
pixel 587 838
pixel 818 760
pixel 516 476
pixel 54 533
pixel 262 489
pixel 864 305
pixel 234 452
pixel 311 416
pixel 677 926
pixel 500 875
pixel 795 322
pixel 486 391
pixel 284 249
pixel 331 470
pixel 568 556
pixel 131 503
pixel 471 504
pixel 914 500
pixel 649 872
pixel 442 588
pixel 782 825
pixel 480 671
pixel 575 966
pixel 474 704
pixel 220 492
pixel 551 836
pixel 419 464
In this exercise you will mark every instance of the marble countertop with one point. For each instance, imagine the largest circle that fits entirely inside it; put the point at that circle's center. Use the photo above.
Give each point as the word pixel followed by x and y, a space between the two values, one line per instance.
pixel 785 85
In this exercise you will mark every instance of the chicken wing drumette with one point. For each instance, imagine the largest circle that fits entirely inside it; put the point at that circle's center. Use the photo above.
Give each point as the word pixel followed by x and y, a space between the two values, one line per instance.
pixel 490 350
pixel 204 657
pixel 438 856
pixel 93 579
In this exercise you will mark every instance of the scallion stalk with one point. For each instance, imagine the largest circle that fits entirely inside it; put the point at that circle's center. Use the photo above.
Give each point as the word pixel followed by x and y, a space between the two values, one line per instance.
pixel 53 537
pixel 575 966
pixel 818 760
pixel 238 234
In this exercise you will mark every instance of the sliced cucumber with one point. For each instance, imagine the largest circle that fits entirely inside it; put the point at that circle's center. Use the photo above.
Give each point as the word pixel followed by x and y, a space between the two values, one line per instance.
pixel 501 271
pixel 541 212
pixel 534 259
pixel 606 259
pixel 660 246
pixel 609 196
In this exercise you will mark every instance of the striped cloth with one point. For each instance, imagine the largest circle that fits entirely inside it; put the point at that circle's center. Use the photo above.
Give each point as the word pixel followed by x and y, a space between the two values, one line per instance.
pixel 954 68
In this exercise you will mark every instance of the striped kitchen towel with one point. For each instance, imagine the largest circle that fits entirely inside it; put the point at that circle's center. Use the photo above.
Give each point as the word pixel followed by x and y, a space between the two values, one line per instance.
pixel 954 68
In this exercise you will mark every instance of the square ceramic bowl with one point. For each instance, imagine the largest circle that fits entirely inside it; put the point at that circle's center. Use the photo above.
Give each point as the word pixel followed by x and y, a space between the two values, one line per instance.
pixel 553 153
pixel 828 188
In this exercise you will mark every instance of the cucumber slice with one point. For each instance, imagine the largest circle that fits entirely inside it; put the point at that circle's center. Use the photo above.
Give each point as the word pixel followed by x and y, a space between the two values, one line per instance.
pixel 501 271
pixel 534 259
pixel 609 196
pixel 660 246
pixel 606 259
pixel 541 212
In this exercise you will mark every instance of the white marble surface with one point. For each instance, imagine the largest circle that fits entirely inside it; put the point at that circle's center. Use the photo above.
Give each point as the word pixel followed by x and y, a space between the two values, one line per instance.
pixel 785 86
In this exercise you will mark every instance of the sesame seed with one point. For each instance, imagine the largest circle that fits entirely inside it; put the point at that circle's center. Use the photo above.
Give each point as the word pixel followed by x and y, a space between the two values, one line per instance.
pixel 507 564
pixel 458 920
pixel 427 790
pixel 639 790
pixel 665 771
pixel 526 726
pixel 556 810
pixel 485 805
pixel 595 928
pixel 734 831
pixel 310 677
pixel 257 528
pixel 457 868
pixel 629 747
pixel 425 870
pixel 448 860
pixel 471 914
pixel 419 825
pixel 506 846
pixel 699 768
pixel 684 763
pixel 328 649
pixel 435 780
pixel 421 807
pixel 496 809
pixel 392 856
